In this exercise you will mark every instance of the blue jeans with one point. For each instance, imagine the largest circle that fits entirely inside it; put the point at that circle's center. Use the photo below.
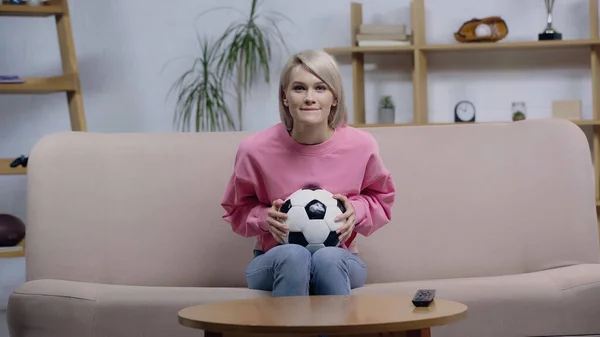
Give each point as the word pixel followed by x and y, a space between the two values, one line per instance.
pixel 290 270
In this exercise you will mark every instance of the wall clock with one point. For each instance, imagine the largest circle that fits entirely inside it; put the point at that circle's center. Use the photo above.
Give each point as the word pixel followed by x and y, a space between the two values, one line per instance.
pixel 464 111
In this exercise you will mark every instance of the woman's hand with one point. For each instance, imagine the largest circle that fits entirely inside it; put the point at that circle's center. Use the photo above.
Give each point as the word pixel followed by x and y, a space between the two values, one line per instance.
pixel 348 227
pixel 274 217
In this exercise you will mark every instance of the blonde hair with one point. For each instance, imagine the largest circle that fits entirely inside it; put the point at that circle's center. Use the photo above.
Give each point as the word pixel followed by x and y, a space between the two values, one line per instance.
pixel 325 67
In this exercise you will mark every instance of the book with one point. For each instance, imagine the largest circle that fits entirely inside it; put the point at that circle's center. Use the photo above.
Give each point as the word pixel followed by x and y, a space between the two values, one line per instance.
pixel 12 249
pixel 382 43
pixel 382 29
pixel 11 79
pixel 392 37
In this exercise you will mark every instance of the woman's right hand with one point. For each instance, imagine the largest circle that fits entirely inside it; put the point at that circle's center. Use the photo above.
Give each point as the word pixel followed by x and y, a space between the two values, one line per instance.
pixel 274 218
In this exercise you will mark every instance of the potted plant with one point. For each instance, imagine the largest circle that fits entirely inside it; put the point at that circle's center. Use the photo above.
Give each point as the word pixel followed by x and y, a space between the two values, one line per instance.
pixel 518 116
pixel 387 113
pixel 201 93
pixel 519 111
pixel 238 58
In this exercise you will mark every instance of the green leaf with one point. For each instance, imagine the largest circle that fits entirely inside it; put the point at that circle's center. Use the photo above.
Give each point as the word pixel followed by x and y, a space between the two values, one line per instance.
pixel 238 59
pixel 200 94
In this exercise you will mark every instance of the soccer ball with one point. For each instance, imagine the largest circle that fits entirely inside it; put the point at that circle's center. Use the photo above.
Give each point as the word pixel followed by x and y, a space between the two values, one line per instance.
pixel 311 212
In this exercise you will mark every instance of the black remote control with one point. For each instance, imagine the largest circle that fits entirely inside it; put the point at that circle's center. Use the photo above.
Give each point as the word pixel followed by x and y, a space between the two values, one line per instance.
pixel 423 297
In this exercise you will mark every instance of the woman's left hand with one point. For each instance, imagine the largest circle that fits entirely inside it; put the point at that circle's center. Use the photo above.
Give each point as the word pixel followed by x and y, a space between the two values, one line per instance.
pixel 346 229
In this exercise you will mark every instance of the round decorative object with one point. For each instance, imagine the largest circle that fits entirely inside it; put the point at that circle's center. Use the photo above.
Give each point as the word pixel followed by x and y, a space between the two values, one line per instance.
pixel 464 111
pixel 12 230
pixel 483 30
pixel 470 31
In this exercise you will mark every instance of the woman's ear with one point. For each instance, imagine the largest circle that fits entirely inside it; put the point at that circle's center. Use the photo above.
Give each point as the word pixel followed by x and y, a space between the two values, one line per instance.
pixel 285 101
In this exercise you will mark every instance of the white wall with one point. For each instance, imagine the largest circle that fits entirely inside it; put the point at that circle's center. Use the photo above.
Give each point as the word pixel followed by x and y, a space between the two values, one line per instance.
pixel 130 52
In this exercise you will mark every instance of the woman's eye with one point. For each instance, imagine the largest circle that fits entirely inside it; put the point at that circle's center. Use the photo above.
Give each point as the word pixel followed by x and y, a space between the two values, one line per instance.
pixel 321 87
pixel 298 87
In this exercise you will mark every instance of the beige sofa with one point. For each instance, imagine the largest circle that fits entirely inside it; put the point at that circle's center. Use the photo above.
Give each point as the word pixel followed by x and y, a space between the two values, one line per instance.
pixel 124 230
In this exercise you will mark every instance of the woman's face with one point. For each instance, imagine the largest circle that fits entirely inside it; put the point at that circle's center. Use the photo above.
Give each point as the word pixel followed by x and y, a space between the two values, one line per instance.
pixel 308 98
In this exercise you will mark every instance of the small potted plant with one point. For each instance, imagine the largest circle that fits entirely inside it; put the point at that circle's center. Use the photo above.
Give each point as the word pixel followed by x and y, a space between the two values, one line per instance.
pixel 518 116
pixel 519 111
pixel 387 113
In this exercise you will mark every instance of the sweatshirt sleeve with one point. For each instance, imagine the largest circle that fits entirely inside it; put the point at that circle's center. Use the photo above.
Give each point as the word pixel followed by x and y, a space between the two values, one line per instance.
pixel 373 206
pixel 246 214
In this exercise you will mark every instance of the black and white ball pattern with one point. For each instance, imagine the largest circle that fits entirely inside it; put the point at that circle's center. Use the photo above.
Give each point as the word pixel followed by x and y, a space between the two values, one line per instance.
pixel 311 212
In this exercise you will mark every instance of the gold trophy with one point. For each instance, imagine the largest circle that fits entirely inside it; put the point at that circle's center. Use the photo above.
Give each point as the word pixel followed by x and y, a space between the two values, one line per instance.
pixel 550 33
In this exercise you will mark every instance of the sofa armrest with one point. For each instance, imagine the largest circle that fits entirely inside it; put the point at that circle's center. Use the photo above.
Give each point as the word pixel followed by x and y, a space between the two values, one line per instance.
pixel 52 308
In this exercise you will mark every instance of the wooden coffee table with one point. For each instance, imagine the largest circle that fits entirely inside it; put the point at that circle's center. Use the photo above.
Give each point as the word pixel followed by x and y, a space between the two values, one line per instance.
pixel 354 315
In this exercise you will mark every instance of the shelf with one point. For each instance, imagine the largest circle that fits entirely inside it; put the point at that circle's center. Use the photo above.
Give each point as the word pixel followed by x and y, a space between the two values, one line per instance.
pixel 370 50
pixel 577 122
pixel 30 11
pixel 62 83
pixel 16 251
pixel 586 122
pixel 6 169
pixel 525 45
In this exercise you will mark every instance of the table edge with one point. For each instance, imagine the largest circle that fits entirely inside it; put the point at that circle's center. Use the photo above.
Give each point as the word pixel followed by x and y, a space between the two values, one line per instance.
pixel 359 328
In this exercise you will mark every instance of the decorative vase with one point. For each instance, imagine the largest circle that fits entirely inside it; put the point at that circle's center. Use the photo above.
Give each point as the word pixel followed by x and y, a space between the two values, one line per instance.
pixel 387 115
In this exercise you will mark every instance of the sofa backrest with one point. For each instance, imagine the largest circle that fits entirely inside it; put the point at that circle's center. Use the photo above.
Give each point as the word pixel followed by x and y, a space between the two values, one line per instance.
pixel 472 200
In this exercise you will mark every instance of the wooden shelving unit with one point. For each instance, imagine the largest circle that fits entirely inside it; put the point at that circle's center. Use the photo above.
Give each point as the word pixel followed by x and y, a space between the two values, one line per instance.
pixel 420 51
pixel 67 82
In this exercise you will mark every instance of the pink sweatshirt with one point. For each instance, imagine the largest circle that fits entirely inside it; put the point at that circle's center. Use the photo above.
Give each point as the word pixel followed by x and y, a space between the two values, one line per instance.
pixel 271 165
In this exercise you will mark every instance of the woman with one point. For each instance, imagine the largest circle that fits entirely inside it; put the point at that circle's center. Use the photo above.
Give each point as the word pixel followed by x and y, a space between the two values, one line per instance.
pixel 311 146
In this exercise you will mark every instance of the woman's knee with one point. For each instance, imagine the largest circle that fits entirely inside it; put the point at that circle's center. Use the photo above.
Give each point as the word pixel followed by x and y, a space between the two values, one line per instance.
pixel 288 270
pixel 292 254
pixel 337 261
pixel 329 257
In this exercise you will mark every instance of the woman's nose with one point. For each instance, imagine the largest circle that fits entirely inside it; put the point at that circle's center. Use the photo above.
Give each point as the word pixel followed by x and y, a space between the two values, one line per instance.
pixel 309 96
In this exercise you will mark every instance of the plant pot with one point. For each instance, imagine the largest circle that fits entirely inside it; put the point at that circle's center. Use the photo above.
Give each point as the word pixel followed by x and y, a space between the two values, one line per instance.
pixel 519 111
pixel 387 116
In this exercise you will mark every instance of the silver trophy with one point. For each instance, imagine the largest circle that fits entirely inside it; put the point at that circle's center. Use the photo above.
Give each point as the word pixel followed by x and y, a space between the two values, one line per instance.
pixel 549 33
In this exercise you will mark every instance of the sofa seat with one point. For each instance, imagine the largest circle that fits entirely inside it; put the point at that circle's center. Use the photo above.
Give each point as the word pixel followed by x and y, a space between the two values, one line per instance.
pixel 555 302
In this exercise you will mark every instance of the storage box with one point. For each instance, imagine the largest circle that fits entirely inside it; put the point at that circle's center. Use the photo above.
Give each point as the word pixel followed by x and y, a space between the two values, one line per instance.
pixel 567 109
